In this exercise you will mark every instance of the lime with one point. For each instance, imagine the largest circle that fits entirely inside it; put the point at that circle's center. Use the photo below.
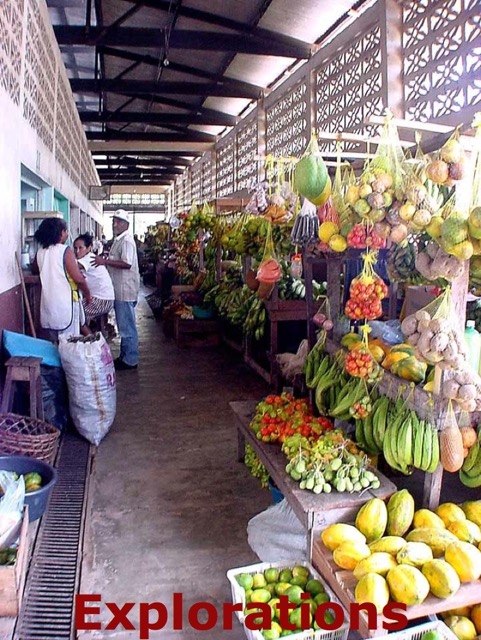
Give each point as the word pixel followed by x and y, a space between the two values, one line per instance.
pixel 273 633
pixel 314 587
pixel 258 581
pixel 271 575
pixel 245 580
pixel 282 587
pixel 294 593
pixel 300 581
pixel 299 570
pixel 248 594
pixel 271 588
pixel 295 618
pixel 260 595
pixel 273 605
pixel 312 604
pixel 285 575
pixel 321 598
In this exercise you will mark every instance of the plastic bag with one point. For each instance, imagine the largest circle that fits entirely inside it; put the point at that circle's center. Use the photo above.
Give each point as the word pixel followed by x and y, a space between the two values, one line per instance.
pixel 389 331
pixel 276 534
pixel 11 507
pixel 90 373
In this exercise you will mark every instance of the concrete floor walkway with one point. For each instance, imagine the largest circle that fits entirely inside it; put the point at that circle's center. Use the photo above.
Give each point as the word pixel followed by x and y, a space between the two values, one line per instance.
pixel 169 503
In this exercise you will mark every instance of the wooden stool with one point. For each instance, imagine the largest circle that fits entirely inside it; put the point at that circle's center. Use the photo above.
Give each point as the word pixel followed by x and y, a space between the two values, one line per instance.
pixel 24 369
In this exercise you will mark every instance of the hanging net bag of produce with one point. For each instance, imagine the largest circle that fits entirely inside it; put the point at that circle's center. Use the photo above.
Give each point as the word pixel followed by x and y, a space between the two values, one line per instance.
pixel 422 198
pixel 311 178
pixel 449 165
pixel 431 331
pixel 454 238
pixel 360 363
pixel 269 270
pixel 377 195
pixel 474 219
pixel 366 292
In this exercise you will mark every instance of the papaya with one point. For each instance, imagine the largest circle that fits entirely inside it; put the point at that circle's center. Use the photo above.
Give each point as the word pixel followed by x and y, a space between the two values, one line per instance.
pixel 336 534
pixel 350 339
pixel 415 554
pixel 371 519
pixel 437 539
pixel 392 358
pixel 311 177
pixel 466 531
pixel 404 347
pixel 389 544
pixel 407 585
pixel 379 562
pixel 472 509
pixel 372 588
pixel 400 513
pixel 449 512
pixel 410 368
pixel 348 554
pixel 465 558
pixel 425 518
pixel 443 579
pixel 323 197
pixel 461 626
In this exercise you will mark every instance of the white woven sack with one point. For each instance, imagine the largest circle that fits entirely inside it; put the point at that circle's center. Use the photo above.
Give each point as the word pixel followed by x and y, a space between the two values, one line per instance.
pixel 276 535
pixel 90 373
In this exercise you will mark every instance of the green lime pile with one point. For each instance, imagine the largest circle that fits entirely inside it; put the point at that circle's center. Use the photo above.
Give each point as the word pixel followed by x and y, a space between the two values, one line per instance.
pixel 292 582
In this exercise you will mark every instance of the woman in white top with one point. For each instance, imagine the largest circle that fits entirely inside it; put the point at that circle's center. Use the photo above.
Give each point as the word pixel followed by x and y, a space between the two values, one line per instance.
pixel 61 280
pixel 98 279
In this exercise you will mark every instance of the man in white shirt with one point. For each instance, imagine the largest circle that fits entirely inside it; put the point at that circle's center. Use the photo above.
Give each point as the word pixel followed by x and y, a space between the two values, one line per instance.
pixel 124 270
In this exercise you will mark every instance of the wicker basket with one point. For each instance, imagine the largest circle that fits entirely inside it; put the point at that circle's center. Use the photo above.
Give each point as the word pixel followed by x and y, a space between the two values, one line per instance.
pixel 24 436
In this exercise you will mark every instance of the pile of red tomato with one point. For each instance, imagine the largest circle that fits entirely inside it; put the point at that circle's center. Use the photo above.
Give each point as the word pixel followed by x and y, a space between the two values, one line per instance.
pixel 281 416
pixel 365 299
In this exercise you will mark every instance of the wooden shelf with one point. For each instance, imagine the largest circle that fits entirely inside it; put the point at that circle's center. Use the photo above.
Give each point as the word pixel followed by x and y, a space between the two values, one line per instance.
pixel 343 584
pixel 314 511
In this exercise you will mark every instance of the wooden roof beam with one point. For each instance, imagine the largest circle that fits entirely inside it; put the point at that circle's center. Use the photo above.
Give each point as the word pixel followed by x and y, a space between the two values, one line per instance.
pixel 146 87
pixel 181 39
pixel 158 119
pixel 227 23
pixel 112 134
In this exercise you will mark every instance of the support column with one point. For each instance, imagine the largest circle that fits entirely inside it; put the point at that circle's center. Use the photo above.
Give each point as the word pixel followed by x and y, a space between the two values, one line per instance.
pixel 390 20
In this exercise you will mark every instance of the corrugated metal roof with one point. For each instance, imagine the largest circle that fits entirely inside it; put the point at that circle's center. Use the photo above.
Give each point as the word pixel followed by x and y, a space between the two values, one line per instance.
pixel 174 70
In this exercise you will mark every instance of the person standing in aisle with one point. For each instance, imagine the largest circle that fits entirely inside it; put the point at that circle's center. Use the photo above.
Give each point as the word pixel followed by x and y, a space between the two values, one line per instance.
pixel 61 313
pixel 124 270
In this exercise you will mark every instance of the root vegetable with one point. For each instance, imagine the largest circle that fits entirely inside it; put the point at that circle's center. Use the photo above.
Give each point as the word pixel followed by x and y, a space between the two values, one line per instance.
pixel 467 392
pixel 450 389
pixel 432 249
pixel 414 338
pixel 409 325
pixel 422 315
pixel 424 325
pixel 439 342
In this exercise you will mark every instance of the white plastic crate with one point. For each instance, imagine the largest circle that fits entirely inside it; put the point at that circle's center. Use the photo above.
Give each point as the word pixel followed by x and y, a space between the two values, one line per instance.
pixel 415 633
pixel 238 595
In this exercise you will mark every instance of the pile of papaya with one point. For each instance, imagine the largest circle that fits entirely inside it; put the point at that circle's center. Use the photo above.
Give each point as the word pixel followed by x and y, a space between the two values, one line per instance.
pixel 401 554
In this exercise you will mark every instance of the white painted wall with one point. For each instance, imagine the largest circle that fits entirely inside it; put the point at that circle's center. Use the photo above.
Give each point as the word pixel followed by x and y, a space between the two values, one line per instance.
pixel 20 144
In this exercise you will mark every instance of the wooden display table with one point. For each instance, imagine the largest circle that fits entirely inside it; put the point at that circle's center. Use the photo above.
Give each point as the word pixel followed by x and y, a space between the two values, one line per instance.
pixel 343 584
pixel 196 333
pixel 314 511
